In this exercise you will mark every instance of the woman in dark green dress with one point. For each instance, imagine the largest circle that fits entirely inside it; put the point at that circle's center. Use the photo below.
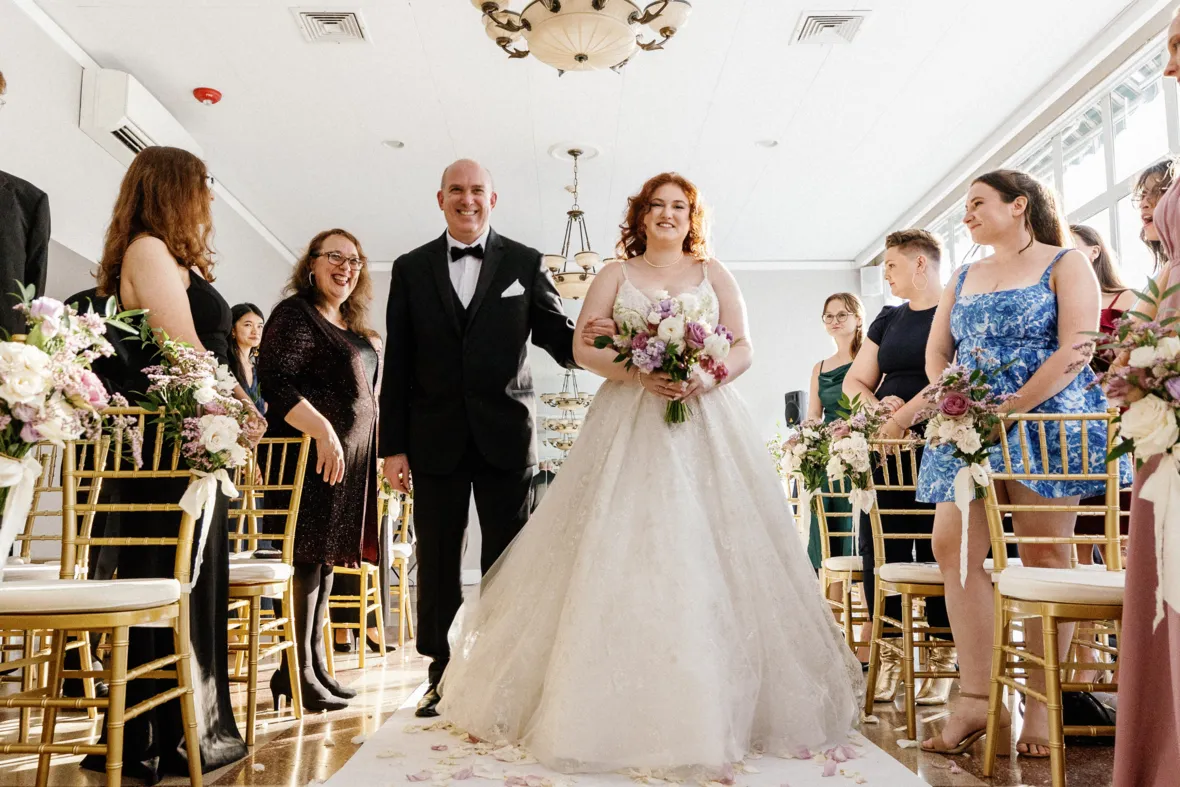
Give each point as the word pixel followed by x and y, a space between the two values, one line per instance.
pixel 844 318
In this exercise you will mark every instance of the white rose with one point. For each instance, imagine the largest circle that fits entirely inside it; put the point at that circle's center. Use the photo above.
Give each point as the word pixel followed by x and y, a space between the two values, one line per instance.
pixel 50 327
pixel 59 424
pixel 690 305
pixel 969 441
pixel 835 468
pixel 800 450
pixel 672 330
pixel 226 382
pixel 810 434
pixel 947 430
pixel 1151 423
pixel 24 373
pixel 1167 349
pixel 653 317
pixel 205 394
pixel 218 432
pixel 716 347
pixel 1142 357
pixel 237 455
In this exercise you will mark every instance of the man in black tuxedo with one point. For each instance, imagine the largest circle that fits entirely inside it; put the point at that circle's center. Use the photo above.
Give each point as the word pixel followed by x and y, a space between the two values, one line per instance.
pixel 24 241
pixel 457 402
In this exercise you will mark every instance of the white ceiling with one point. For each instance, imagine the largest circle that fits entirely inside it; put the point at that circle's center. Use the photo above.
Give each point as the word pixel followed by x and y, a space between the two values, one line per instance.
pixel 864 130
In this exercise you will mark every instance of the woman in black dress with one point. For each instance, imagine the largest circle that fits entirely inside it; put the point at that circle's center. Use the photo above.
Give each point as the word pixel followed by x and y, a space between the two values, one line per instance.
pixel 319 364
pixel 891 369
pixel 157 257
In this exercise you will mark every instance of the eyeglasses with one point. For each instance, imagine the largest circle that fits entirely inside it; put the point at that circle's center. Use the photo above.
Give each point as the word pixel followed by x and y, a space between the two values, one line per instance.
pixel 210 181
pixel 338 259
pixel 1149 196
pixel 837 317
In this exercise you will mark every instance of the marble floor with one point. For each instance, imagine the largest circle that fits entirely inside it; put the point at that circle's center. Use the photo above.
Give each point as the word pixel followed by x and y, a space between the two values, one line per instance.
pixel 293 754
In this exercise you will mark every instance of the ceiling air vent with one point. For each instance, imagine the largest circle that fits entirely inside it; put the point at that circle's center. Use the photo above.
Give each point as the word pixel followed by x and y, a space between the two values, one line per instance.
pixel 828 27
pixel 331 26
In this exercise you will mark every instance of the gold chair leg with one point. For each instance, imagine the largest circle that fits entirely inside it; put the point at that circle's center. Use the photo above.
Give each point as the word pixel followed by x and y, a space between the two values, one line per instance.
pixel 252 669
pixel 117 698
pixel 995 696
pixel 1053 693
pixel 329 639
pixel 362 630
pixel 410 625
pixel 849 637
pixel 907 665
pixel 401 608
pixel 86 658
pixel 380 613
pixel 181 638
pixel 874 651
pixel 291 654
pixel 49 715
pixel 27 683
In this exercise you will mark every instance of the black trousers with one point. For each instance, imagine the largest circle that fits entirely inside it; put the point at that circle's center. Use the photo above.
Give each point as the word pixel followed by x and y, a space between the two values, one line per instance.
pixel 900 550
pixel 441 504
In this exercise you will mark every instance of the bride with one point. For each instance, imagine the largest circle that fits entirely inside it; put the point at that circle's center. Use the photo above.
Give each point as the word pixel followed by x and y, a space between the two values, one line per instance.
pixel 658 610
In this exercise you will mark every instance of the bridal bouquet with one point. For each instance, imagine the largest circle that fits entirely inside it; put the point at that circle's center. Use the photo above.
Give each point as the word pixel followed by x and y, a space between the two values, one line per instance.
pixel 676 339
pixel 966 416
pixel 47 393
pixel 849 454
pixel 804 454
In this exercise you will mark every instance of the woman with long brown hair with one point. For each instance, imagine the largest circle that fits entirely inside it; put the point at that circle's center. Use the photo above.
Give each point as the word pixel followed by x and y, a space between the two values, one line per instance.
pixel 319 364
pixel 157 257
pixel 661 574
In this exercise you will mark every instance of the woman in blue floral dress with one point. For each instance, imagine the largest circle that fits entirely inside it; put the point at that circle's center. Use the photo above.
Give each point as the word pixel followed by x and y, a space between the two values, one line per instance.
pixel 1018 315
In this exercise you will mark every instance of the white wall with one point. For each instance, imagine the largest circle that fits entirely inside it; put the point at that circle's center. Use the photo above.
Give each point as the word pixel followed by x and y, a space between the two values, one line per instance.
pixel 40 141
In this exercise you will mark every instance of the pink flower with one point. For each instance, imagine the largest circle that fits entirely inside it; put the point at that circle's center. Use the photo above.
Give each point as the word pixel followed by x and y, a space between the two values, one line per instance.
pixel 93 390
pixel 954 405
pixel 42 308
pixel 694 335
pixel 839 429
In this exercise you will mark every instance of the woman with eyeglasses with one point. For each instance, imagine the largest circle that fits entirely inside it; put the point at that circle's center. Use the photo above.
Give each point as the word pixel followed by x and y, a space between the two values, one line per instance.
pixel 844 320
pixel 319 364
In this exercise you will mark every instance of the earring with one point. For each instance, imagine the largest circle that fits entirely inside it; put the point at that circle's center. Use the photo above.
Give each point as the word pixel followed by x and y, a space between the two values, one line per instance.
pixel 914 280
pixel 310 279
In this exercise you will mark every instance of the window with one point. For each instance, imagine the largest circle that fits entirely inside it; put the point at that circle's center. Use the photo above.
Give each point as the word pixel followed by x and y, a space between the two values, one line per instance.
pixel 1039 164
pixel 1136 262
pixel 1140 122
pixel 1083 152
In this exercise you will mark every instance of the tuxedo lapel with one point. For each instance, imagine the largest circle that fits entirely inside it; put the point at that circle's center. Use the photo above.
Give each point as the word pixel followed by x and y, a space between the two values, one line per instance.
pixel 487 271
pixel 440 265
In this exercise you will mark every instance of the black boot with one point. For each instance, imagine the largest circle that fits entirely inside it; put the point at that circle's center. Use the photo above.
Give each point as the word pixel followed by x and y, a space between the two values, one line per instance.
pixel 306 590
pixel 320 663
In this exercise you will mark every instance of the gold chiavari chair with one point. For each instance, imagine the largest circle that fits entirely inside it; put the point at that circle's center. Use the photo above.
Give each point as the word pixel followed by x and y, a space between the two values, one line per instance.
pixel 1054 595
pixel 274 461
pixel 366 600
pixel 78 605
pixel 403 550
pixel 846 569
pixel 912 582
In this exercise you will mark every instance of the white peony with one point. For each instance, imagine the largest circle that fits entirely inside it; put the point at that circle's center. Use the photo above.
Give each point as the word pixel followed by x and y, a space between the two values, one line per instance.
pixel 1151 423
pixel 716 347
pixel 671 330
pixel 1142 357
pixel 1167 349
pixel 835 468
pixel 969 442
pixel 218 432
pixel 24 373
pixel 205 394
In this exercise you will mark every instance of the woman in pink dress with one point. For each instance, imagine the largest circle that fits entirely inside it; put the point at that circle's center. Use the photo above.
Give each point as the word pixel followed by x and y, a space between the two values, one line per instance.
pixel 1147 740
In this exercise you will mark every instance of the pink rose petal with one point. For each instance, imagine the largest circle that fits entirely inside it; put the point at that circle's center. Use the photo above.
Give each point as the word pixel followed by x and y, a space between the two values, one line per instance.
pixel 849 752
pixel 836 754
pixel 420 776
pixel 955 768
pixel 804 753
pixel 463 775
pixel 439 747
pixel 830 767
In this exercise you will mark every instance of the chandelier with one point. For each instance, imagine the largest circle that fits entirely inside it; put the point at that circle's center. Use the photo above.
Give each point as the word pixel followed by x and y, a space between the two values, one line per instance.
pixel 582 35
pixel 569 398
pixel 573 280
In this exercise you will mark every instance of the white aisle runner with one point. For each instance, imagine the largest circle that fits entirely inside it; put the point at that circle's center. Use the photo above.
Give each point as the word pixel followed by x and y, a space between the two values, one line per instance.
pixel 407 749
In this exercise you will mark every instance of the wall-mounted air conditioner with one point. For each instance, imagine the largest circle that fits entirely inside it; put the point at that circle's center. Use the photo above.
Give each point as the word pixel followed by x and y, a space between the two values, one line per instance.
pixel 122 116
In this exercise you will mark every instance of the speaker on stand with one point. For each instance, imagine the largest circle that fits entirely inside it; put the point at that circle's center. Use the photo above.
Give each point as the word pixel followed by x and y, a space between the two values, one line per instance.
pixel 796 410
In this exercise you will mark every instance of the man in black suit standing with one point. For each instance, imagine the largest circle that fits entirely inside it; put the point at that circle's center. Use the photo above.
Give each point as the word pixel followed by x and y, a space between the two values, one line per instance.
pixel 457 400
pixel 24 240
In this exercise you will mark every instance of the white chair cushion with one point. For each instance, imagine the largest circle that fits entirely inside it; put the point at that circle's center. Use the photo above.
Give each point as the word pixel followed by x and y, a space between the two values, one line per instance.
pixel 844 563
pixel 403 550
pixel 81 595
pixel 255 572
pixel 31 572
pixel 1063 585
pixel 13 560
pixel 918 573
pixel 990 565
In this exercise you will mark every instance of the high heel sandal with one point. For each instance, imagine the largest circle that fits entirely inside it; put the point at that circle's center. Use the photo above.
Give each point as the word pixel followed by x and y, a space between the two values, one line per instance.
pixel 313 699
pixel 375 647
pixel 1030 742
pixel 1004 733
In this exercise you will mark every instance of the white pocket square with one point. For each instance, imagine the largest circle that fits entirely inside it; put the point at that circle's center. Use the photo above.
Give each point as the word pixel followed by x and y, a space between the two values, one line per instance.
pixel 515 288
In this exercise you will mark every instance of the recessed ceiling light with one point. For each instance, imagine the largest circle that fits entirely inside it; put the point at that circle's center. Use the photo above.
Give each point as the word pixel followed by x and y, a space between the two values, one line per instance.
pixel 396 144
pixel 767 143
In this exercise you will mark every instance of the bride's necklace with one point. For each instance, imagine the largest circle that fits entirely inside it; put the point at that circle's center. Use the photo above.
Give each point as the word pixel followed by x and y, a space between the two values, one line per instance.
pixel 669 265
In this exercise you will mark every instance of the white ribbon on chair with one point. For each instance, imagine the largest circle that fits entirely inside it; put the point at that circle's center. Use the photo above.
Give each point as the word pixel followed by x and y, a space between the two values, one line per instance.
pixel 1162 490
pixel 200 500
pixel 805 510
pixel 862 503
pixel 966 480
pixel 19 476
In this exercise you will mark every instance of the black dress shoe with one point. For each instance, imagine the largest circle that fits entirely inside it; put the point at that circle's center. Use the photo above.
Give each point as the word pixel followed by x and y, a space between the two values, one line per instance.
pixel 428 705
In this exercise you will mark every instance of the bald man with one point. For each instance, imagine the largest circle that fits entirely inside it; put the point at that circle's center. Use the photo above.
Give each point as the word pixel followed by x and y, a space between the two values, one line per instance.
pixel 457 402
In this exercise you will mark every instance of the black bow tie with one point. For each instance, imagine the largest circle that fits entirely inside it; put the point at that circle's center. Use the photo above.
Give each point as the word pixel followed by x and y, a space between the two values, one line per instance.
pixel 471 251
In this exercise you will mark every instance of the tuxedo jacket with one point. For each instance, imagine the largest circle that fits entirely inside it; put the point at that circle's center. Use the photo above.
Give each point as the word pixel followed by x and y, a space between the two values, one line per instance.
pixel 24 245
pixel 454 374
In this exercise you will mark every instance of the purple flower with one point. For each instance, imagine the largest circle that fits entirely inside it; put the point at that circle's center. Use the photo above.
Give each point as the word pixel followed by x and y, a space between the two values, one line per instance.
pixel 1173 386
pixel 639 342
pixel 29 433
pixel 694 335
pixel 42 308
pixel 724 332
pixel 839 429
pixel 666 308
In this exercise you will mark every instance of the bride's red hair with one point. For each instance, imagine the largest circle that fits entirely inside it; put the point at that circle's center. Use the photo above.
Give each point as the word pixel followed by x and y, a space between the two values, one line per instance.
pixel 633 240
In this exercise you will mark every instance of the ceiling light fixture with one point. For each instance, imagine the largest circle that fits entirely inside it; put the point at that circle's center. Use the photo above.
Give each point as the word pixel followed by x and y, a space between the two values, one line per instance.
pixel 767 143
pixel 581 35
pixel 570 282
pixel 396 144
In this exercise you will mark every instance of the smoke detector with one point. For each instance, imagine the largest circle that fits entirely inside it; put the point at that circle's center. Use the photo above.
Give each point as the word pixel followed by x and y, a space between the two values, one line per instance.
pixel 333 26
pixel 828 27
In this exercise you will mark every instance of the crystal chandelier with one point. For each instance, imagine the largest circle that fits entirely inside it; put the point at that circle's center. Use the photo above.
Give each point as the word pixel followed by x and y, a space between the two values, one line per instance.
pixel 573 281
pixel 582 35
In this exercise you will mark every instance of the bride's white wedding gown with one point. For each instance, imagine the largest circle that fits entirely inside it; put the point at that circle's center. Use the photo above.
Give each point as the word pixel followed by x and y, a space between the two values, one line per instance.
pixel 658 610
